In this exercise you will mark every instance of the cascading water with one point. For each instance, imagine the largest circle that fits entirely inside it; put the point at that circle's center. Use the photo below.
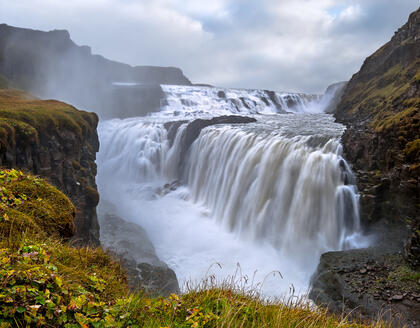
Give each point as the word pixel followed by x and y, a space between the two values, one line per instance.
pixel 190 101
pixel 272 188
pixel 271 195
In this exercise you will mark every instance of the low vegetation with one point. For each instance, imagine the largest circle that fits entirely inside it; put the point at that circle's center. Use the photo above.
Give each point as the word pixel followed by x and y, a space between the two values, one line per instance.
pixel 45 282
pixel 388 101
pixel 24 118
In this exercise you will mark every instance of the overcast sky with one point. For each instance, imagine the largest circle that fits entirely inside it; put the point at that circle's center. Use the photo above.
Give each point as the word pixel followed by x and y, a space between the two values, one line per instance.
pixel 289 45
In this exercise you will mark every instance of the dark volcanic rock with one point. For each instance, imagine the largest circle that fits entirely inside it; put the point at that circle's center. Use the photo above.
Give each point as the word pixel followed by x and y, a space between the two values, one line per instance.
pixel 131 243
pixel 194 128
pixel 51 65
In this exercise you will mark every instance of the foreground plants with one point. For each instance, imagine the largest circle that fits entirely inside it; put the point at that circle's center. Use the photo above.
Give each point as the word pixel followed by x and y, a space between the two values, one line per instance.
pixel 45 282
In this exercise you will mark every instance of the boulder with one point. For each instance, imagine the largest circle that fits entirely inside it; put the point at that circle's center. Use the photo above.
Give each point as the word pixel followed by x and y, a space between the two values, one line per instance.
pixel 130 243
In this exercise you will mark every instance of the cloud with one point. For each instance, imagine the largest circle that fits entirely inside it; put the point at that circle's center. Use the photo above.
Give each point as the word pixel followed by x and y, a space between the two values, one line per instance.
pixel 297 45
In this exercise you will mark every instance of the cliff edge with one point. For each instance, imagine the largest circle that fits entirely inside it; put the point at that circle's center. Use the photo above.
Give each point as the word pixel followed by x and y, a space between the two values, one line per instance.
pixel 58 142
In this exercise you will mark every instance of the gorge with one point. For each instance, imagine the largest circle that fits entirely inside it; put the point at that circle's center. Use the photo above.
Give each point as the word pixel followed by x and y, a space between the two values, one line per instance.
pixel 255 187
pixel 288 194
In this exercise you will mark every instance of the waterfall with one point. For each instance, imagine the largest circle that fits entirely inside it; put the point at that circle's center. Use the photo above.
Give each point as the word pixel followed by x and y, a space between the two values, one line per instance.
pixel 273 188
pixel 198 100
pixel 270 196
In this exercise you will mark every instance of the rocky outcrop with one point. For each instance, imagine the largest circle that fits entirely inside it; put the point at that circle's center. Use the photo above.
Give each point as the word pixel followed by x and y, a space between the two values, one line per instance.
pixel 381 108
pixel 57 142
pixel 51 65
pixel 194 128
pixel 375 283
pixel 130 243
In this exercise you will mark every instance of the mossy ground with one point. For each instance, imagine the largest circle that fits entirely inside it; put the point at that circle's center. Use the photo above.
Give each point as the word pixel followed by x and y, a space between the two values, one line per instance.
pixel 45 282
pixel 23 118
pixel 28 203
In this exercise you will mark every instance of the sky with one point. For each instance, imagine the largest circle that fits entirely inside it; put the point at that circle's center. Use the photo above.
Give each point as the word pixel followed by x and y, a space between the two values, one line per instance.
pixel 282 45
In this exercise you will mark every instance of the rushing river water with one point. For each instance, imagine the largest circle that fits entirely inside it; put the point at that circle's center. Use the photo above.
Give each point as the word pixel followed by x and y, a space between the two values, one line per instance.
pixel 256 198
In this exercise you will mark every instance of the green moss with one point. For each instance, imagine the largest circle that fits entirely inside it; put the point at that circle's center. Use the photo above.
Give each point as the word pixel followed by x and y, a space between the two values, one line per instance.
pixel 76 165
pixel 409 117
pixel 404 273
pixel 378 97
pixel 31 204
pixel 33 118
pixel 46 283
pixel 412 149
pixel 92 196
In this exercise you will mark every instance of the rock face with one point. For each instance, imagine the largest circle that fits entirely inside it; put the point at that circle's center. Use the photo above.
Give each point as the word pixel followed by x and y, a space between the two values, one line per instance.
pixel 57 142
pixel 194 128
pixel 51 65
pixel 381 108
pixel 131 243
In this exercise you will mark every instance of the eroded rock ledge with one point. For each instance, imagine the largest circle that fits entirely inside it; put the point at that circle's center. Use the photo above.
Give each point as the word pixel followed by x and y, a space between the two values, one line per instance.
pixel 194 128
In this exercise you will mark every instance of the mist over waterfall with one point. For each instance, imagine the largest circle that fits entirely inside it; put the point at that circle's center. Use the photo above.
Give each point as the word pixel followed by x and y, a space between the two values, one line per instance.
pixel 262 197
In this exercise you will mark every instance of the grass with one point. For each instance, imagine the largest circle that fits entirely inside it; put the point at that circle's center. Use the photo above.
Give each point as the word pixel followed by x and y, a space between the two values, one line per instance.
pixel 45 282
pixel 26 119
pixel 30 203
pixel 387 103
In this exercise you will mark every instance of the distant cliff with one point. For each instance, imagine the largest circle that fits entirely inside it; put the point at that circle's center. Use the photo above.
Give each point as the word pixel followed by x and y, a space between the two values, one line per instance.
pixel 51 65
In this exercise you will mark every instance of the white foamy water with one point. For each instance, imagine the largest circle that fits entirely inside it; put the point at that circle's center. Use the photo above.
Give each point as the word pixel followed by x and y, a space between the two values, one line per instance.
pixel 269 196
pixel 199 101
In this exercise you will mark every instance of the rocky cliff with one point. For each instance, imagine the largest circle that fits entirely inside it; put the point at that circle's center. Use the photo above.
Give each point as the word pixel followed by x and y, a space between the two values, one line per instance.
pixel 51 65
pixel 58 142
pixel 381 108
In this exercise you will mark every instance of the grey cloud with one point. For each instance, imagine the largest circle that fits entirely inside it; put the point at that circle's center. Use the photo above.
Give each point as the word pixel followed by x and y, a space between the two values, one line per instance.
pixel 297 45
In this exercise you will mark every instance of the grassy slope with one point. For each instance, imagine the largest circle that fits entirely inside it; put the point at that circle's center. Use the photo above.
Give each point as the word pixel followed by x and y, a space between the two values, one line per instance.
pixel 46 282
pixel 23 118
pixel 390 106
pixel 384 96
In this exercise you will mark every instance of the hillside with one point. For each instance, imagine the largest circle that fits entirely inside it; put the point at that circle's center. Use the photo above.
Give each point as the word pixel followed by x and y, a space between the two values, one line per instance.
pixel 380 107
